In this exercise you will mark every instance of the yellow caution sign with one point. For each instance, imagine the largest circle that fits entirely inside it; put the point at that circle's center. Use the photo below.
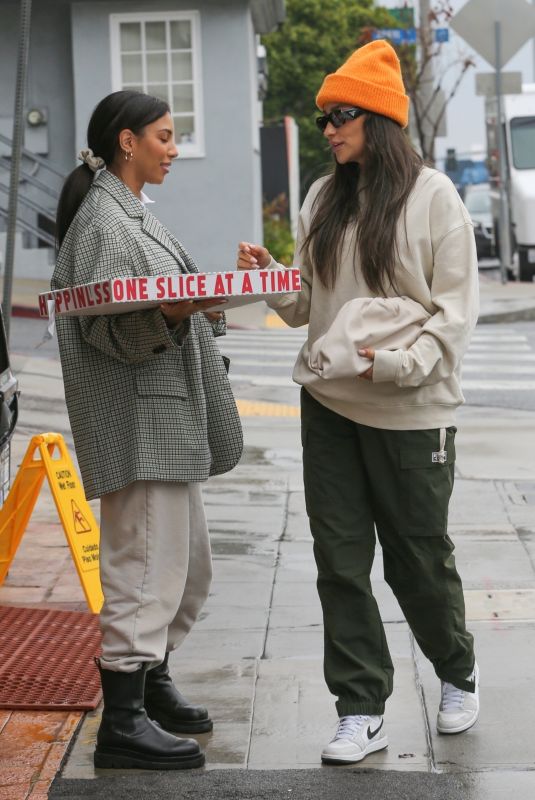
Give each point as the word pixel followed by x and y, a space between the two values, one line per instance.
pixel 47 456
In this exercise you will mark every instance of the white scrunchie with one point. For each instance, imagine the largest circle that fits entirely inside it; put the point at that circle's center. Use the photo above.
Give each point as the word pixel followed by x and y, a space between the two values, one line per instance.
pixel 93 162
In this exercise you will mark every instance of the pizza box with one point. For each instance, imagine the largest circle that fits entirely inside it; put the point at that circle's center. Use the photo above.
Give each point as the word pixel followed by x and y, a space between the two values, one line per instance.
pixel 121 295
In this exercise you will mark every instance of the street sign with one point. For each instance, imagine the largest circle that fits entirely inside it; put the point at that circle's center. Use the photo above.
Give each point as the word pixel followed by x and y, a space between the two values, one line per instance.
pixel 475 23
pixel 409 35
pixel 486 83
pixel 396 35
pixel 404 15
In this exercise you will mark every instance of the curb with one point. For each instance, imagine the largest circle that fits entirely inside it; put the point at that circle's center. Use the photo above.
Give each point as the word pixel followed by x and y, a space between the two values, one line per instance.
pixel 518 315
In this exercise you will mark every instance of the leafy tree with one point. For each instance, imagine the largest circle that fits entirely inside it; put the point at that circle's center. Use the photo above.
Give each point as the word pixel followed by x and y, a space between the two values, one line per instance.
pixel 432 77
pixel 315 39
pixel 318 36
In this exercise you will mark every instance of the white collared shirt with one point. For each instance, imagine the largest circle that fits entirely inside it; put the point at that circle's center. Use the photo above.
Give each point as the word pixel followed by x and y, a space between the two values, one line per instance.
pixel 144 199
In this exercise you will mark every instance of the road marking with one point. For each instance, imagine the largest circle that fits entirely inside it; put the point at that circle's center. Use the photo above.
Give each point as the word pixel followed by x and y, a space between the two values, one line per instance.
pixel 468 385
pixel 511 369
pixel 499 357
pixel 498 386
pixel 272 320
pixel 261 362
pixel 237 351
pixel 498 337
pixel 253 408
pixel 262 380
pixel 500 348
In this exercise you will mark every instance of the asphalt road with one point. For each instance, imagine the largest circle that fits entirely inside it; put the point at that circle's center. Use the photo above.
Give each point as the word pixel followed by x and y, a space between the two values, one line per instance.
pixel 499 368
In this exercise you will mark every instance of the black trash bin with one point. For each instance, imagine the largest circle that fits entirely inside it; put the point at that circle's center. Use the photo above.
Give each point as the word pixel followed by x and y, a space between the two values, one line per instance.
pixel 8 413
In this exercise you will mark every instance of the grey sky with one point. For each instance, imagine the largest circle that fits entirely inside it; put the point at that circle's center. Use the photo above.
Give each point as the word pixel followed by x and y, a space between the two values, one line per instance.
pixel 465 114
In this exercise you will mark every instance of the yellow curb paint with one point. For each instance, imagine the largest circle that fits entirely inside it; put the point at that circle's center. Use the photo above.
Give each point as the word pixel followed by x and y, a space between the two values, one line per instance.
pixel 47 457
pixel 254 408
pixel 274 321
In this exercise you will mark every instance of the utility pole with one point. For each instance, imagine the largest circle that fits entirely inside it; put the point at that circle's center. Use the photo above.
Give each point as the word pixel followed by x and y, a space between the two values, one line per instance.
pixel 428 77
pixel 16 154
pixel 504 227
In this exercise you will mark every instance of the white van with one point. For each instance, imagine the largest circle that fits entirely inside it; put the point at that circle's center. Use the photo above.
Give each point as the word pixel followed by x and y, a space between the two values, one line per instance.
pixel 518 118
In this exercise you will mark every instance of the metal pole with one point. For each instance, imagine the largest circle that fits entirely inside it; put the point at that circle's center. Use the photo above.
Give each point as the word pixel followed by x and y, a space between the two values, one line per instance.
pixel 504 227
pixel 428 77
pixel 16 154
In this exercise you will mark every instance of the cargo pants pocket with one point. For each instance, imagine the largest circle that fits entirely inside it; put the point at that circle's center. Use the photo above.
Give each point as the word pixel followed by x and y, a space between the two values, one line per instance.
pixel 427 466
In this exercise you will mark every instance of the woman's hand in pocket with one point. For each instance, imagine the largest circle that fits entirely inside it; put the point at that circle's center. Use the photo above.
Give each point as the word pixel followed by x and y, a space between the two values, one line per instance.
pixel 252 256
pixel 368 353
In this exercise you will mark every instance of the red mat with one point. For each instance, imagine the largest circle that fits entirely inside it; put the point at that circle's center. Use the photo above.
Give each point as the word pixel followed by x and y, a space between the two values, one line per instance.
pixel 47 659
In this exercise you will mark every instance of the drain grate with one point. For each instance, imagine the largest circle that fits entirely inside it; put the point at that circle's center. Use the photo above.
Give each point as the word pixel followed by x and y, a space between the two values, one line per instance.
pixel 46 659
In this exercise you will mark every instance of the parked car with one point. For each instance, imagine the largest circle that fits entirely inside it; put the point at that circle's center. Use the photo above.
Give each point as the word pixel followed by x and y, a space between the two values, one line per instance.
pixel 477 199
pixel 8 413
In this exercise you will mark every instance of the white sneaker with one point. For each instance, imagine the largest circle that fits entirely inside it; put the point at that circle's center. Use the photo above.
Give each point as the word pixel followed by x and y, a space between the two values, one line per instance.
pixel 458 709
pixel 355 737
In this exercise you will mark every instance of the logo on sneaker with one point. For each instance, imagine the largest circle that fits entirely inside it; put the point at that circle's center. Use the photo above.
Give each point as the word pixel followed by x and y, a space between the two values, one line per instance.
pixel 371 733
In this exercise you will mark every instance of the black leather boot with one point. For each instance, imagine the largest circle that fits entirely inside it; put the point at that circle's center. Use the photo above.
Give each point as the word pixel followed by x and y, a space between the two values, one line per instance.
pixel 127 738
pixel 165 704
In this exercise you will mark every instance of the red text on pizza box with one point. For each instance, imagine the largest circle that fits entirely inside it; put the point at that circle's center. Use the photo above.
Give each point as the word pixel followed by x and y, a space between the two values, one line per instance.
pixel 120 295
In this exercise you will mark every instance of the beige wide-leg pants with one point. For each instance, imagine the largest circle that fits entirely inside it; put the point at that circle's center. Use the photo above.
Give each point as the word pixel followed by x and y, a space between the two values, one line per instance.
pixel 155 569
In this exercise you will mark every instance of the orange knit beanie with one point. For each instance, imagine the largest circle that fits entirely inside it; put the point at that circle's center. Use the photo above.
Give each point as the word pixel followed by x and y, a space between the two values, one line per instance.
pixel 370 79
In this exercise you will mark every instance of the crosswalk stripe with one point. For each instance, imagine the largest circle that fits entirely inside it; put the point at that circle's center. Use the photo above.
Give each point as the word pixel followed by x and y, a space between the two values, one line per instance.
pixel 498 338
pixel 261 362
pixel 240 351
pixel 499 357
pixel 467 385
pixel 499 348
pixel 511 369
pixel 498 385
pixel 262 380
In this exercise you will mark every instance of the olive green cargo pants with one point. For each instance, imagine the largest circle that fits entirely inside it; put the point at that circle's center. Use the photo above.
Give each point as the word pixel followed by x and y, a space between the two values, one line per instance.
pixel 358 479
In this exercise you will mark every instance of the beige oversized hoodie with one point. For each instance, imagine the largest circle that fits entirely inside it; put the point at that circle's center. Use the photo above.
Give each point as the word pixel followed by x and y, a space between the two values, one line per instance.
pixel 418 387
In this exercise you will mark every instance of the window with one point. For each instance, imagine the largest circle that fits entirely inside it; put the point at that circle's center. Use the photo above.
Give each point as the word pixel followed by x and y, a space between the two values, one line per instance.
pixel 523 142
pixel 159 53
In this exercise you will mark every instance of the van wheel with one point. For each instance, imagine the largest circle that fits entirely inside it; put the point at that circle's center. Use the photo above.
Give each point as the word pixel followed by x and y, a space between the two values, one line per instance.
pixel 526 271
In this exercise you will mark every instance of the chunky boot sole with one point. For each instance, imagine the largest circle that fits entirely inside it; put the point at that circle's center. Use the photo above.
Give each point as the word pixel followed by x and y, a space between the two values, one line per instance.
pixel 116 758
pixel 189 726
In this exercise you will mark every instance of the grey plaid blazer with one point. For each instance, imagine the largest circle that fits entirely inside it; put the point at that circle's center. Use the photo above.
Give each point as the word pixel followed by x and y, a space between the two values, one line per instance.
pixel 144 403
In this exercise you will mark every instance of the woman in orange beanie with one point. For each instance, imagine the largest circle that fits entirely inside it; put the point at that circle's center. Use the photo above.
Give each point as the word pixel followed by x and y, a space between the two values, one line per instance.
pixel 378 445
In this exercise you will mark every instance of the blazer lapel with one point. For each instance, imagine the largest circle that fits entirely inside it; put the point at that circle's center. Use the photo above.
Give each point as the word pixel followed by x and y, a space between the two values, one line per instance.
pixel 154 229
pixel 149 224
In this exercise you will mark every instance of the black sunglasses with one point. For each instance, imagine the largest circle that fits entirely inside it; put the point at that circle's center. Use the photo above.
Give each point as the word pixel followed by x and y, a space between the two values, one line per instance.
pixel 338 117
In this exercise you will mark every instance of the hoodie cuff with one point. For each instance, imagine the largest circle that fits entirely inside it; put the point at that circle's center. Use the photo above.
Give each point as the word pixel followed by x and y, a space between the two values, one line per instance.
pixel 386 365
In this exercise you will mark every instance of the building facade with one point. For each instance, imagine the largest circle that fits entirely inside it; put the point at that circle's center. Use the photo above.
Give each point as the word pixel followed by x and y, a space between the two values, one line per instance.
pixel 199 55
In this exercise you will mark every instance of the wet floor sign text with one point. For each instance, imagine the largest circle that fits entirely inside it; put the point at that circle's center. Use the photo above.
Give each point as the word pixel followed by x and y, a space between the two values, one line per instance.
pixel 47 457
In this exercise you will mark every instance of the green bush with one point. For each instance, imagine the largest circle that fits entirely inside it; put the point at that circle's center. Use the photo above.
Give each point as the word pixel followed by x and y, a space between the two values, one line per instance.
pixel 277 232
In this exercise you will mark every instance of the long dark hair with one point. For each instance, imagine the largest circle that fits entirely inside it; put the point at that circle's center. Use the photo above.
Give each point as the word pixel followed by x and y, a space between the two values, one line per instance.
pixel 392 167
pixel 117 111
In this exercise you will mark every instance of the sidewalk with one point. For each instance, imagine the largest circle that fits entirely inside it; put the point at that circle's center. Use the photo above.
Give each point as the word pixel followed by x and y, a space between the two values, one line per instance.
pixel 499 302
pixel 254 657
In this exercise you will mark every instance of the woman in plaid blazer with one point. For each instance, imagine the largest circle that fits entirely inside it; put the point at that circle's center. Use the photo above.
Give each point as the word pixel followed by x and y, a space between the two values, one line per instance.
pixel 152 415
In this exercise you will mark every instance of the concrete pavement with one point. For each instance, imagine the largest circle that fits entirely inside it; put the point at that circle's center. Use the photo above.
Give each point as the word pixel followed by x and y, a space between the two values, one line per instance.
pixel 255 655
